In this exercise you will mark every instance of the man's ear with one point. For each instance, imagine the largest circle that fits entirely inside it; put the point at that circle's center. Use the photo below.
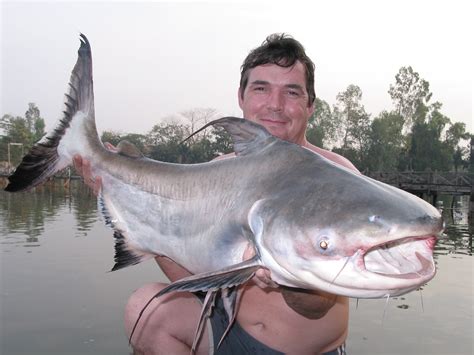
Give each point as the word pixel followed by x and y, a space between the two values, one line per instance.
pixel 239 95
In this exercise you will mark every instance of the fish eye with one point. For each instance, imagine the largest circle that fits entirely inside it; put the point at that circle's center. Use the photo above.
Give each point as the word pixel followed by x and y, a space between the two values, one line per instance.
pixel 324 244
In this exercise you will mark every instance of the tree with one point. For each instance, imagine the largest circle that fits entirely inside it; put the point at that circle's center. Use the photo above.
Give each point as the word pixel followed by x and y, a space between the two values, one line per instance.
pixel 25 130
pixel 386 142
pixel 323 127
pixel 408 94
pixel 355 124
pixel 198 117
pixel 35 124
pixel 222 143
pixel 165 142
pixel 426 148
pixel 454 135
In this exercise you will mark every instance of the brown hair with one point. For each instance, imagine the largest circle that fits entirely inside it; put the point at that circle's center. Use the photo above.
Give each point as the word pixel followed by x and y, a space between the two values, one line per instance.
pixel 283 50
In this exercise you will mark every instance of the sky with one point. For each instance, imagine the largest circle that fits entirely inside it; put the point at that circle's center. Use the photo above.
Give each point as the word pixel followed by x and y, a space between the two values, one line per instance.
pixel 153 60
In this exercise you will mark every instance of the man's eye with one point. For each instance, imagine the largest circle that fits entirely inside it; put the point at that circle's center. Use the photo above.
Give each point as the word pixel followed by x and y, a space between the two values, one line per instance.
pixel 259 88
pixel 293 93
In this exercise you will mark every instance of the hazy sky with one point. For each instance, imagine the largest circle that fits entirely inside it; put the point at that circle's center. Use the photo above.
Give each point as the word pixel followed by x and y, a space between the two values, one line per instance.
pixel 153 60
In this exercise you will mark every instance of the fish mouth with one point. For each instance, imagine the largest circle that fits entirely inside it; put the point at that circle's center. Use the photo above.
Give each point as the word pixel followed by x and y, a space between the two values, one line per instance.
pixel 405 258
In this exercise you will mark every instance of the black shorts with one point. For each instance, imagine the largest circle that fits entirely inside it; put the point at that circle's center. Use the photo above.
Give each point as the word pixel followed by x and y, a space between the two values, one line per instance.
pixel 238 341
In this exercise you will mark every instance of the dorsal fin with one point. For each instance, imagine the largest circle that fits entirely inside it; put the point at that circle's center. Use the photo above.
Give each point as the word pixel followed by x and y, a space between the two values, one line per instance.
pixel 248 137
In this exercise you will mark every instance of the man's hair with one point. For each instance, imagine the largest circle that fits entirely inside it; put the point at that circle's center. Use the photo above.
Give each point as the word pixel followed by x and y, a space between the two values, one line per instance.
pixel 282 50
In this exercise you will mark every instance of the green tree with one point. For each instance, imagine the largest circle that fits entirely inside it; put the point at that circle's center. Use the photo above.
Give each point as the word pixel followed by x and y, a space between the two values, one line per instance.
pixel 165 142
pixel 355 122
pixel 222 143
pixel 408 94
pixel 323 127
pixel 35 124
pixel 386 142
pixel 426 148
pixel 24 130
pixel 455 134
pixel 198 117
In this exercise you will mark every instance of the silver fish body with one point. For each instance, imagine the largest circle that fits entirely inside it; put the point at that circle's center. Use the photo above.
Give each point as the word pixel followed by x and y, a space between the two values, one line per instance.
pixel 314 224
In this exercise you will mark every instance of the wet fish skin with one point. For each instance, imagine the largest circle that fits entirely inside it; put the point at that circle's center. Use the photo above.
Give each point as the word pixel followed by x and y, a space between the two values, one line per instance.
pixel 285 200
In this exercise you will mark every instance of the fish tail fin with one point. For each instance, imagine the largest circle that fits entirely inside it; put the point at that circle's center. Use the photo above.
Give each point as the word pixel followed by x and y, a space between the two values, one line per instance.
pixel 37 166
pixel 46 157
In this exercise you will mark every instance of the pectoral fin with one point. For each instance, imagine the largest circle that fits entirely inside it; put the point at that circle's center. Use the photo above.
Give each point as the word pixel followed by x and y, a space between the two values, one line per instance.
pixel 206 311
pixel 231 299
pixel 210 282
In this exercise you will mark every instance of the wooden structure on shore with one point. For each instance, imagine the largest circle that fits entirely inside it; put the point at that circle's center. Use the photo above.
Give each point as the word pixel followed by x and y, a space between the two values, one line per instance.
pixel 431 184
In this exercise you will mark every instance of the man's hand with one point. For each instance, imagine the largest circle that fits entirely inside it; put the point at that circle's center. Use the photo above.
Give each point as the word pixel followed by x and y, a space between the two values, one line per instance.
pixel 262 277
pixel 310 304
pixel 83 168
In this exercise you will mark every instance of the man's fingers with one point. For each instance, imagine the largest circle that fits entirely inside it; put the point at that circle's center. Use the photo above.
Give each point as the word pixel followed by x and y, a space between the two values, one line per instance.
pixel 249 252
pixel 83 168
pixel 97 185
pixel 263 279
pixel 77 162
pixel 86 170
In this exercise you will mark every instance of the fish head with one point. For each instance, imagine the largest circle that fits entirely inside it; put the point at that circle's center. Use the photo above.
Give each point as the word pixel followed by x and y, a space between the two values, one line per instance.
pixel 369 240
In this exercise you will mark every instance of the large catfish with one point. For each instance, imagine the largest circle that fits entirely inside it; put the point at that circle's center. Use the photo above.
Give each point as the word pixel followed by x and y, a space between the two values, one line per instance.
pixel 312 223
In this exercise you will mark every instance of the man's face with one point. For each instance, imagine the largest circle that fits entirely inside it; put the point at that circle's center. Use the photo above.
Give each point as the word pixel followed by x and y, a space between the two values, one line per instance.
pixel 276 97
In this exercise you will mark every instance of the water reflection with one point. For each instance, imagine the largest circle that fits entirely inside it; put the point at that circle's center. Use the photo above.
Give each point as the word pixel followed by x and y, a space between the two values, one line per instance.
pixel 25 214
pixel 456 240
pixel 457 237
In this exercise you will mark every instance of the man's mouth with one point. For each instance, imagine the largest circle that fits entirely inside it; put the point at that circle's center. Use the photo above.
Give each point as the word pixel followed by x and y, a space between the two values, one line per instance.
pixel 273 121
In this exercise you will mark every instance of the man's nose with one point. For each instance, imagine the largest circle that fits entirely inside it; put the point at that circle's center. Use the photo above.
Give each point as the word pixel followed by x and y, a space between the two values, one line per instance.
pixel 275 101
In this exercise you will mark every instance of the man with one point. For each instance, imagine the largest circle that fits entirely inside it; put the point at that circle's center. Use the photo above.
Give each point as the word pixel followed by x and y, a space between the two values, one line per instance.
pixel 277 91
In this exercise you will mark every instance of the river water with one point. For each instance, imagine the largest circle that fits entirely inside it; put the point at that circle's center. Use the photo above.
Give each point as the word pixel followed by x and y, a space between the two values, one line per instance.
pixel 57 296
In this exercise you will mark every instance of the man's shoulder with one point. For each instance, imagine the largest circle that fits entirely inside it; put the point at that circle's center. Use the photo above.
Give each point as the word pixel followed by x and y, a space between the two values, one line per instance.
pixel 334 157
